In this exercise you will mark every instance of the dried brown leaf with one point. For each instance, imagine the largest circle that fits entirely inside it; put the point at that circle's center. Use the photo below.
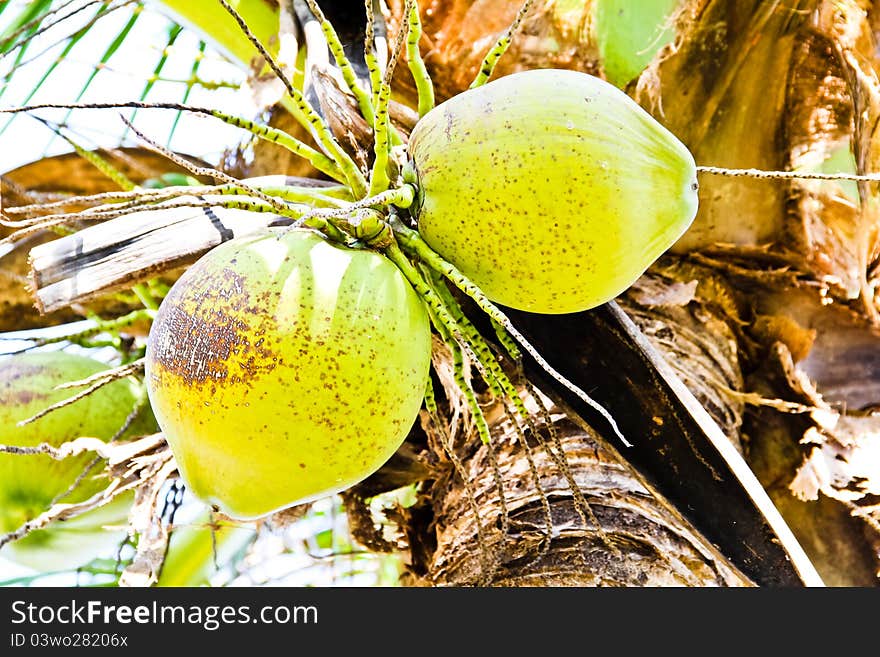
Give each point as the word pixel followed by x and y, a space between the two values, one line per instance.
pixel 650 291
pixel 146 521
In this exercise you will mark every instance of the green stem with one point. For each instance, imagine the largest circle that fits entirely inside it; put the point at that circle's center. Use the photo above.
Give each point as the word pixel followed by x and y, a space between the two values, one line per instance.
pixel 411 241
pixel 482 352
pixel 317 159
pixel 500 47
pixel 463 382
pixel 311 120
pixel 424 85
pixel 379 179
pixel 143 294
pixel 507 342
pixel 318 196
pixel 111 326
pixel 382 132
pixel 430 399
pixel 323 197
pixel 495 376
pixel 401 197
pixel 370 58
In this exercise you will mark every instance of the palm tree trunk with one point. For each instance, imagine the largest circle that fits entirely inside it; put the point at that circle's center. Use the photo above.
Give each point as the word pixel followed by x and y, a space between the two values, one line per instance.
pixel 564 510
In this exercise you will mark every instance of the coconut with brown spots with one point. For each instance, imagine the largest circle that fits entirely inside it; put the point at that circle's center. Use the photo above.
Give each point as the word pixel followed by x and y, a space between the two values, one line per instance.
pixel 283 368
pixel 552 190
pixel 29 483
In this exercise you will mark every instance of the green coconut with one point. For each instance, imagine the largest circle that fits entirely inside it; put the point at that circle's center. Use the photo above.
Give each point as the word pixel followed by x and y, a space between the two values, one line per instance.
pixel 552 190
pixel 29 483
pixel 283 368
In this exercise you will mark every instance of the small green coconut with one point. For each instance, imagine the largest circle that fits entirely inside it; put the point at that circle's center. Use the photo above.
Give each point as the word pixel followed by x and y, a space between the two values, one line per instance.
pixel 30 482
pixel 283 368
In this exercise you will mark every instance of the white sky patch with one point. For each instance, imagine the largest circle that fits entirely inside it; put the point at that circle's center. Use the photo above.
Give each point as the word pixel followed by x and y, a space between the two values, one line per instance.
pixel 123 78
